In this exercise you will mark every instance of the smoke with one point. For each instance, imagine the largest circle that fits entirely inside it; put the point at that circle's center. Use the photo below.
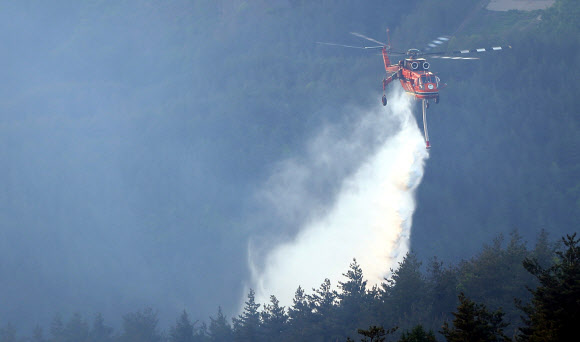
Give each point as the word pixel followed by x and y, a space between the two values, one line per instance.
pixel 376 169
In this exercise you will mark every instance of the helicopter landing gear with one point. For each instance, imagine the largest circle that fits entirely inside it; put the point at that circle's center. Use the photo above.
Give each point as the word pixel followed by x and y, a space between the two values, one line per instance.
pixel 437 99
pixel 384 99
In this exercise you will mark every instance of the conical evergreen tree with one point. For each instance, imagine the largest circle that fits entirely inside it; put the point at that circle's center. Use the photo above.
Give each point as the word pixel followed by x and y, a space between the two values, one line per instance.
pixel 474 323
pixel 274 320
pixel 219 328
pixel 554 312
pixel 247 324
pixel 418 334
pixel 99 331
pixel 183 330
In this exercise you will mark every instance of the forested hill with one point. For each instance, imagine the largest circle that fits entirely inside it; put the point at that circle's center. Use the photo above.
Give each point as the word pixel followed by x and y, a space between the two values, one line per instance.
pixel 133 135
pixel 505 134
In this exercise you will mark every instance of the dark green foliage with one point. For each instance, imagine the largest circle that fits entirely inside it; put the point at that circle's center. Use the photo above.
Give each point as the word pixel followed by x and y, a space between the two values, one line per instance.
pixel 404 295
pixel 219 328
pixel 418 334
pixel 183 330
pixel 274 320
pixel 420 300
pixel 441 290
pixel 299 317
pixel 140 326
pixel 356 302
pixel 322 308
pixel 473 322
pixel 496 276
pixel 554 311
pixel 247 324
pixel 375 334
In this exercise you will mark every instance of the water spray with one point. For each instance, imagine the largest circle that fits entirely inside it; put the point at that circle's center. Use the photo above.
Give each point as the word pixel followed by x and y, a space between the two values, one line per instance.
pixel 370 218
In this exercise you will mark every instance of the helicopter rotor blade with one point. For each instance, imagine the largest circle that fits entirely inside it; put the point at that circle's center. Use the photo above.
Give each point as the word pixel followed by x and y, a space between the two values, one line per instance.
pixel 437 42
pixel 341 45
pixel 454 57
pixel 491 49
pixel 351 46
pixel 367 38
pixel 453 54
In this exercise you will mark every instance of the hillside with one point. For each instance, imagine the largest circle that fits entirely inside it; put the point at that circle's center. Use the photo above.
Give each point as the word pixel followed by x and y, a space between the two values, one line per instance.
pixel 135 137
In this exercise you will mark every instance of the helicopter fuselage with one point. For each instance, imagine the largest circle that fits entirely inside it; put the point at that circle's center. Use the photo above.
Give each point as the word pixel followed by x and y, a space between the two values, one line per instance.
pixel 417 80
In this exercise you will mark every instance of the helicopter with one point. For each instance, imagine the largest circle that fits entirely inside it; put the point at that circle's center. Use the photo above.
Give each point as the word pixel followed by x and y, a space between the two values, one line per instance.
pixel 413 71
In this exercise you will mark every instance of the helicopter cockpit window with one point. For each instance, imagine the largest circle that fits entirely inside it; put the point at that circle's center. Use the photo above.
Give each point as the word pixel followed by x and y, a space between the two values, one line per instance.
pixel 427 79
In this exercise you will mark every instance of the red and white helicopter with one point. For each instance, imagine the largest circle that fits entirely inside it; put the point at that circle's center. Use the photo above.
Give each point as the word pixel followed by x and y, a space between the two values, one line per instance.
pixel 413 71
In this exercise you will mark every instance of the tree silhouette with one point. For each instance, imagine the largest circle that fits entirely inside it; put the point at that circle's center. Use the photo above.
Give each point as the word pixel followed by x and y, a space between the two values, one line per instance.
pixel 554 311
pixel 247 324
pixel 473 322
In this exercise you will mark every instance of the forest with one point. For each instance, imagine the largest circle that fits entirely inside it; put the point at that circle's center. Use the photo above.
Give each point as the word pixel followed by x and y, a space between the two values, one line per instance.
pixel 506 292
pixel 167 133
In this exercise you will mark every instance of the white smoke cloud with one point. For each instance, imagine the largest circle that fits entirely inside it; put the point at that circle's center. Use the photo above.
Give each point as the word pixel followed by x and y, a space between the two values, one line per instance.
pixel 371 215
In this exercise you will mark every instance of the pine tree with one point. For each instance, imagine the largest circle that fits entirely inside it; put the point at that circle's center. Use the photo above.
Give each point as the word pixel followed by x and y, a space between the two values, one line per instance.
pixel 38 335
pixel 404 294
pixel 354 309
pixel 219 328
pixel 299 316
pixel 247 324
pixel 322 306
pixel 76 330
pixel 441 289
pixel 374 334
pixel 140 326
pixel 183 329
pixel 274 320
pixel 57 329
pixel 418 334
pixel 8 333
pixel 554 312
pixel 473 322
pixel 99 331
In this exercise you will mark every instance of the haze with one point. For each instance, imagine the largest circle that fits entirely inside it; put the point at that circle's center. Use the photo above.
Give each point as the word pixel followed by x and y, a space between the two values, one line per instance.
pixel 137 138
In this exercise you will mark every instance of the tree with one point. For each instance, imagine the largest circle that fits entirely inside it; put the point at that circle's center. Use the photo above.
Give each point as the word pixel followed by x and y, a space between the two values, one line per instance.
pixel 76 330
pixel 57 329
pixel 247 325
pixel 183 329
pixel 322 306
pixel 354 309
pixel 374 334
pixel 219 328
pixel 37 335
pixel 404 294
pixel 441 289
pixel 140 326
pixel 554 311
pixel 299 316
pixel 418 334
pixel 100 332
pixel 274 320
pixel 473 322
pixel 8 333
